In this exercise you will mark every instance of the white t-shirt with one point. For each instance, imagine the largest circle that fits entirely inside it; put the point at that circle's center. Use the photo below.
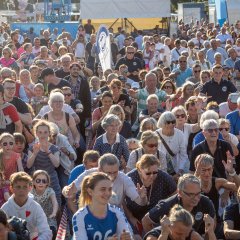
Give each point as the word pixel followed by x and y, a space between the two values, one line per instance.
pixel 224 109
pixel 122 186
pixel 178 147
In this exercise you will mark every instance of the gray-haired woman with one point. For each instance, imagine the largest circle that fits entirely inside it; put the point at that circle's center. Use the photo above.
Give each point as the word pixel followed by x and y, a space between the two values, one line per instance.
pixel 65 121
pixel 111 141
pixel 172 145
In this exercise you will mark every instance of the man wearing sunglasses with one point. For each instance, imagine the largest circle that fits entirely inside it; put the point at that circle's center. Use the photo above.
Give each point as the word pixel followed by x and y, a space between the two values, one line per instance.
pixel 134 64
pixel 189 197
pixel 213 146
pixel 182 72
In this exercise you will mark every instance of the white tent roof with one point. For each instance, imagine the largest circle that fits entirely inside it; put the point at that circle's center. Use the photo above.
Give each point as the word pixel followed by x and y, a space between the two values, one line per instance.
pixel 105 9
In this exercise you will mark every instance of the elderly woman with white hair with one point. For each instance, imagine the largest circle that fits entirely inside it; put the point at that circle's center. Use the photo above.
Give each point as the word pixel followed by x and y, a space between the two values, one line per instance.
pixel 67 154
pixel 209 114
pixel 172 145
pixel 111 141
pixel 218 149
pixel 64 121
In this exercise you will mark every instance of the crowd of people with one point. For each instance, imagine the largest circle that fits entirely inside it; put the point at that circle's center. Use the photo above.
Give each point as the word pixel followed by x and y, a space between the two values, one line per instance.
pixel 147 149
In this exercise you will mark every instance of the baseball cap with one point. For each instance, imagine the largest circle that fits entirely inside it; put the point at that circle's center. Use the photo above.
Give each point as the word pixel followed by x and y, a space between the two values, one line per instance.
pixel 135 85
pixel 233 97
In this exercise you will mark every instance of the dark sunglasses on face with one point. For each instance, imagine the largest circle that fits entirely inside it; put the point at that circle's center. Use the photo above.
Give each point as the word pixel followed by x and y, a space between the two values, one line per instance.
pixel 197 71
pixel 38 180
pixel 171 122
pixel 167 87
pixel 180 115
pixel 151 173
pixel 213 130
pixel 226 129
pixel 67 94
pixel 7 143
pixel 152 145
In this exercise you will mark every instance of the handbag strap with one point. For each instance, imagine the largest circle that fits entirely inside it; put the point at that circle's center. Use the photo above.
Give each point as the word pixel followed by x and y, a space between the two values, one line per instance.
pixel 165 145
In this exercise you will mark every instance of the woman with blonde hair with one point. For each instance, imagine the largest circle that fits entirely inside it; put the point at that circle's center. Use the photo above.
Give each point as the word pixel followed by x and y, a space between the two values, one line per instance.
pixel 96 218
pixel 7 60
pixel 149 145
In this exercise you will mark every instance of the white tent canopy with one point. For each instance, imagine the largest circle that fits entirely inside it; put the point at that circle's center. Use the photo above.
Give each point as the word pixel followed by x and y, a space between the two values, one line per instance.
pixel 106 9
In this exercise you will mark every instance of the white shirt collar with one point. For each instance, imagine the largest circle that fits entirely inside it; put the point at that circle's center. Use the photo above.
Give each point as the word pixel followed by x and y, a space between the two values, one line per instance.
pixel 106 141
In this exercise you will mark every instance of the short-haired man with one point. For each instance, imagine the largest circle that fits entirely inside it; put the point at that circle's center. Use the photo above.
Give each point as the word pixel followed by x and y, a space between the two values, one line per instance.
pixel 49 77
pixel 23 206
pixel 10 120
pixel 217 85
pixel 64 71
pixel 9 86
pixel 134 64
pixel 213 146
pixel 181 73
pixel 81 91
pixel 189 197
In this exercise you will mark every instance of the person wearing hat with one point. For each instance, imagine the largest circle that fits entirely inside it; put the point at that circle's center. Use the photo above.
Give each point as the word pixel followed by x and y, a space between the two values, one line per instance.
pixel 234 118
pixel 230 105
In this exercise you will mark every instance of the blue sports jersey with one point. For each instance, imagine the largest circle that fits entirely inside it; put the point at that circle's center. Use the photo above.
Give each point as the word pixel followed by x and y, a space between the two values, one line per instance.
pixel 88 227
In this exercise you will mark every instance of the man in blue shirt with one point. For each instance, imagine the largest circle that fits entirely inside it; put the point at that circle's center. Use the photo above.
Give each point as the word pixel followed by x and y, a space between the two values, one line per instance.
pixel 90 160
pixel 230 62
pixel 182 72
pixel 211 52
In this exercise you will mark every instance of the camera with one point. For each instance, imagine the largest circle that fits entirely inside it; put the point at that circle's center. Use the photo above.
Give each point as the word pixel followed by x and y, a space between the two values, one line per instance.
pixel 19 226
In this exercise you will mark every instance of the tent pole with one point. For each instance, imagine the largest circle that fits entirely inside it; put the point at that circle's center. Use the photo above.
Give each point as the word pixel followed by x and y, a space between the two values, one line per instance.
pixel 113 23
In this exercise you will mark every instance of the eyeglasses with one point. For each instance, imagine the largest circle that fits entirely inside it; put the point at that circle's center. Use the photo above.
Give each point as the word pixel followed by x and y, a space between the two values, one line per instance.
pixel 39 180
pixel 226 129
pixel 180 115
pixel 151 173
pixel 67 94
pixel 211 130
pixel 57 101
pixel 192 195
pixel 7 143
pixel 130 52
pixel 197 71
pixel 10 88
pixel 171 122
pixel 167 87
pixel 152 145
